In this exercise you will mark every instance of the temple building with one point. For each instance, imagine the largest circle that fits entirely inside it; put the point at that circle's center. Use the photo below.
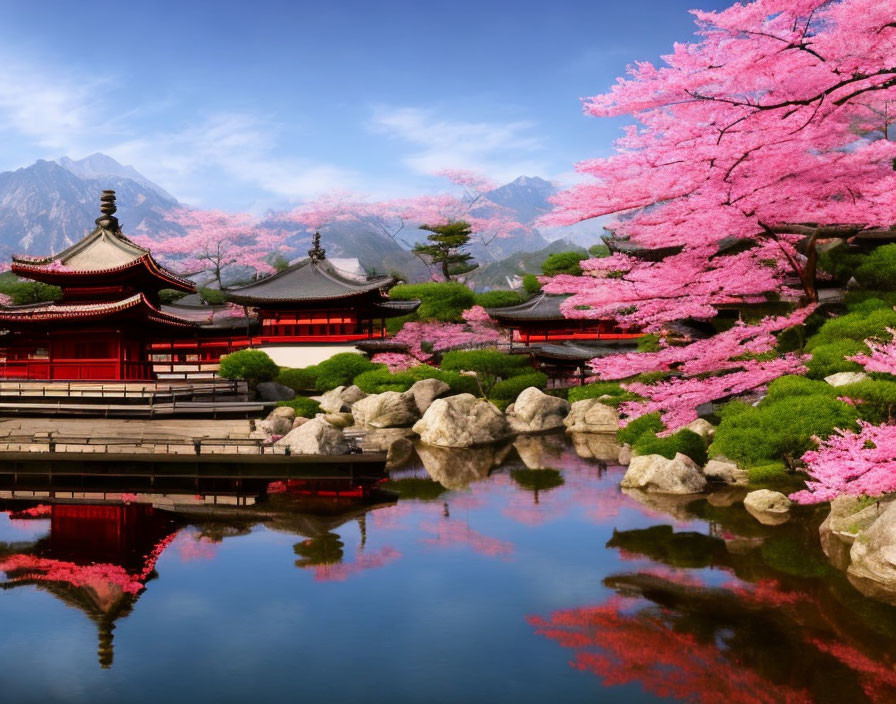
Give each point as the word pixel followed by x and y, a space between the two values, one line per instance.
pixel 108 313
pixel 540 320
pixel 312 310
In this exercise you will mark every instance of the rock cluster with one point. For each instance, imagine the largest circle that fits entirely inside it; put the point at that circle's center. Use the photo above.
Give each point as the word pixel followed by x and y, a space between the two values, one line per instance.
pixel 461 421
pixel 591 416
pixel 655 473
pixel 535 411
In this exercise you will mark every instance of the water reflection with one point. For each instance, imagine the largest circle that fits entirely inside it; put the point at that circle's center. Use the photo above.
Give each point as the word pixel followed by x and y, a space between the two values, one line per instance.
pixel 526 549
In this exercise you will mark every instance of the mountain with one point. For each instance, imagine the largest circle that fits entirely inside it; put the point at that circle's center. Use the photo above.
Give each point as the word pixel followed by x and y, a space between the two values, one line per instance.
pixel 46 207
pixel 99 165
pixel 508 272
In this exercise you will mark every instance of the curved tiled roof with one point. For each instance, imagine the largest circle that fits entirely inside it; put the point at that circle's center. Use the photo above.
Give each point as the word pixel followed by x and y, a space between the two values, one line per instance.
pixel 40 312
pixel 307 280
pixel 544 306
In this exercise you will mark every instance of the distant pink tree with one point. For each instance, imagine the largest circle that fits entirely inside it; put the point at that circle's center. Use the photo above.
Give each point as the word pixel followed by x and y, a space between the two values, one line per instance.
pixel 850 463
pixel 214 240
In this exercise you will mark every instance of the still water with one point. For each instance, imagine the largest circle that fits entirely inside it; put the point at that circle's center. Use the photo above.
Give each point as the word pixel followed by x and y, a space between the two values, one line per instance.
pixel 487 581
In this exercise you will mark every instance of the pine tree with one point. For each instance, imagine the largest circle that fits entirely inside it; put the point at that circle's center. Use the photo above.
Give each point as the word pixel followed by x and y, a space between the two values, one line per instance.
pixel 446 248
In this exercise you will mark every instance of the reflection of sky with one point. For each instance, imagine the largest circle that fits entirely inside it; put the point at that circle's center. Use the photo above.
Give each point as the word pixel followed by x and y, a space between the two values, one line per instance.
pixel 427 608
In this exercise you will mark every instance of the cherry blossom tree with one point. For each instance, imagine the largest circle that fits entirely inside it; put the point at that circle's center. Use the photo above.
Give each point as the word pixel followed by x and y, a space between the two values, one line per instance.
pixel 775 127
pixel 850 463
pixel 214 240
pixel 423 339
pixel 882 357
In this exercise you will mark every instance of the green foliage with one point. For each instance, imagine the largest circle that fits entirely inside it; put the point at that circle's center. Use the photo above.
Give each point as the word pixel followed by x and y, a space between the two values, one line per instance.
pixel 170 295
pixel 377 381
pixel 865 321
pixel 498 299
pixel 649 343
pixel 878 269
pixel 438 301
pixel 531 285
pixel 831 358
pixel 599 251
pixel 303 406
pixel 601 388
pixel 788 554
pixel 447 248
pixel 855 300
pixel 213 296
pixel 254 366
pixel 490 366
pixel 840 263
pixel 780 427
pixel 877 398
pixel 649 423
pixel 789 386
pixel 687 442
pixel 768 473
pixel 341 369
pixel 563 263
pixel 25 292
pixel 299 379
pixel 509 389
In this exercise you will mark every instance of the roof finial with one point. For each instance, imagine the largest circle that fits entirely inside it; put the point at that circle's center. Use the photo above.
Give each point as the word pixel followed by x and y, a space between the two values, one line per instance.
pixel 316 253
pixel 107 220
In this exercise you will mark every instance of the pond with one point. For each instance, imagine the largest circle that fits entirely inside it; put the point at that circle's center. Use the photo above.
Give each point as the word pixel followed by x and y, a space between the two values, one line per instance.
pixel 519 573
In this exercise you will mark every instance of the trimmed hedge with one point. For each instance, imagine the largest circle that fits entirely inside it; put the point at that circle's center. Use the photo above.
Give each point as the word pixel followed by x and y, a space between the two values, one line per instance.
pixel 498 299
pixel 687 442
pixel 341 369
pixel 602 388
pixel 531 285
pixel 299 379
pixel 563 263
pixel 254 366
pixel 831 358
pixel 438 301
pixel 377 381
pixel 649 423
pixel 490 366
pixel 303 406
pixel 509 389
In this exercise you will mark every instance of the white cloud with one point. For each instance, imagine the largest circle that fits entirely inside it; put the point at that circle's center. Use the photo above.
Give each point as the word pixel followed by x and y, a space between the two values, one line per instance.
pixel 502 151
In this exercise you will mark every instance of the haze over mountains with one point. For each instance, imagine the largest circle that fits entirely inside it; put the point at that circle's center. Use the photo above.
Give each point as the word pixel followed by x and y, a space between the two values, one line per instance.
pixel 49 205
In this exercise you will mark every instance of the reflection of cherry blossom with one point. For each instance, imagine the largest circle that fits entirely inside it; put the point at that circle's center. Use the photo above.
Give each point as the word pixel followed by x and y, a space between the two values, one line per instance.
pixel 341 571
pixel 451 532
pixel 878 679
pixel 193 547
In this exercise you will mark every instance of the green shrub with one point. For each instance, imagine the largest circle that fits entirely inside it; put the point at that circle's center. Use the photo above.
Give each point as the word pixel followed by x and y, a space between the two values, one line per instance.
pixel 563 263
pixel 769 473
pixel 601 388
pixel 876 397
pixel 687 442
pixel 25 292
pixel 779 429
pixel 831 358
pixel 213 296
pixel 254 366
pixel 840 263
pixel 531 284
pixel 859 299
pixel 377 381
pixel 490 366
pixel 304 407
pixel 649 343
pixel 649 423
pixel 393 325
pixel 858 325
pixel 438 301
pixel 878 269
pixel 299 379
pixel 509 389
pixel 341 369
pixel 498 299
pixel 788 386
pixel 170 295
pixel 599 251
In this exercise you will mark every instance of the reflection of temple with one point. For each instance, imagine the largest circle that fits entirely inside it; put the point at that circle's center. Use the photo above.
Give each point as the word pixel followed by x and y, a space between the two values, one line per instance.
pixel 97 558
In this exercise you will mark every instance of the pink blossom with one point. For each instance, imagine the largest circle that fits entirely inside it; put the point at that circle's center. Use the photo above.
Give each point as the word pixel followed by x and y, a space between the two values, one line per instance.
pixel 396 361
pixel 882 357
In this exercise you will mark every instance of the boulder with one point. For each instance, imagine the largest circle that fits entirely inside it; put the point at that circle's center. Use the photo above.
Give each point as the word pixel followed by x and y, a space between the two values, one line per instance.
pixel 299 421
pixel 770 508
pixel 316 437
pixel 340 399
pixel 591 416
pixel 535 411
pixel 461 421
pixel 844 378
pixel 703 428
pixel 279 421
pixel 390 409
pixel 272 391
pixel 455 468
pixel 724 470
pixel 873 558
pixel 541 451
pixel 596 446
pixel 397 443
pixel 849 516
pixel 425 391
pixel 655 473
pixel 338 420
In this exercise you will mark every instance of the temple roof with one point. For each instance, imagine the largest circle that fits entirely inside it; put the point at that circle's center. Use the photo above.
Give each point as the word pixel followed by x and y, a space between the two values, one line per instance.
pixel 312 279
pixel 105 251
pixel 575 351
pixel 544 306
pixel 138 303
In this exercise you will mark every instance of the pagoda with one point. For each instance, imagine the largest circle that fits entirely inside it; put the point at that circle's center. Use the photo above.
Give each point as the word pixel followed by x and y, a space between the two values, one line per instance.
pixel 312 301
pixel 108 313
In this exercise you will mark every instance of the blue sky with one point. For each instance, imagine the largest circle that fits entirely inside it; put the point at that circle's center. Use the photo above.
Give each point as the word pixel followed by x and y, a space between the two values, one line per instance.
pixel 252 105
